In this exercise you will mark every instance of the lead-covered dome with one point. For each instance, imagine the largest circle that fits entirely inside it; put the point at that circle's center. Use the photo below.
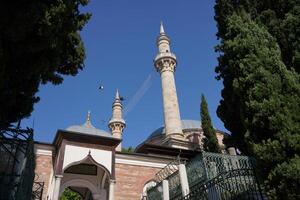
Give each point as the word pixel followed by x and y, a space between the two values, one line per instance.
pixel 186 125
pixel 88 128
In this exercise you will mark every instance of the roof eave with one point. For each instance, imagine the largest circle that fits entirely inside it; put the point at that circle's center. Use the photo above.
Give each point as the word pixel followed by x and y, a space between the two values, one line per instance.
pixel 84 138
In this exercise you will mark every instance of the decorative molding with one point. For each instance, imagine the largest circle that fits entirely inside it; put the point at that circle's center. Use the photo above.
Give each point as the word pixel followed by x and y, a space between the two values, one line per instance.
pixel 41 149
pixel 43 152
pixel 140 163
pixel 165 64
pixel 117 127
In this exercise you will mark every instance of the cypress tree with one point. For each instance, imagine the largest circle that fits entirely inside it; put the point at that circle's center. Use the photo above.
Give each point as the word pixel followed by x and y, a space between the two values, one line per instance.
pixel 281 18
pixel 260 104
pixel 210 142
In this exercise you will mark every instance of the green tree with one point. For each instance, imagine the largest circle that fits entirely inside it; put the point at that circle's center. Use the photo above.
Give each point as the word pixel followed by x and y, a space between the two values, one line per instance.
pixel 130 149
pixel 260 104
pixel 39 43
pixel 280 17
pixel 70 195
pixel 210 142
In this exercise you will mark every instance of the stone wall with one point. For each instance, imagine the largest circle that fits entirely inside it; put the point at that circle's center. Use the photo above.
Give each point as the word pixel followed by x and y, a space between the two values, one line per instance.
pixel 44 165
pixel 130 180
pixel 44 170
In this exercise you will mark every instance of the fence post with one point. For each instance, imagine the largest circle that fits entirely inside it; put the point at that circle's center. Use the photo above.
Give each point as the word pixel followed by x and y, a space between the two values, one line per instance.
pixel 184 180
pixel 166 195
pixel 231 151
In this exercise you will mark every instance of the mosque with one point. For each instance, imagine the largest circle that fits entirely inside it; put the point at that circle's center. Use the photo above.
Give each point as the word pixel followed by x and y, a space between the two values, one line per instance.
pixel 89 161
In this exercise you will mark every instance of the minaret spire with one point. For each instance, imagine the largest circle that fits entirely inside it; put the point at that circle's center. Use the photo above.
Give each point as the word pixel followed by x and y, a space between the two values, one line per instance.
pixel 162 30
pixel 165 63
pixel 117 123
pixel 117 95
pixel 88 119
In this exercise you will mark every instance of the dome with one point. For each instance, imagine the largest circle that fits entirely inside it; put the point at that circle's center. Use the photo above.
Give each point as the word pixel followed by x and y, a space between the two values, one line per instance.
pixel 186 125
pixel 88 129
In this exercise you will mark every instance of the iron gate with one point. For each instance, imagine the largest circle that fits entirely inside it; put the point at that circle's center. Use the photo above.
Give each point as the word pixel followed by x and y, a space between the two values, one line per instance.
pixel 16 163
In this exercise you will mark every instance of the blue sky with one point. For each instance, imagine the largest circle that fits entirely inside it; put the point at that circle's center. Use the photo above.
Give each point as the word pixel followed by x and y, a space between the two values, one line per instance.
pixel 120 47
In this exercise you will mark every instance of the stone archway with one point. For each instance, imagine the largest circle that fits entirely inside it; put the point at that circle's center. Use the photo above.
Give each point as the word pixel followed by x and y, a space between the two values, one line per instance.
pixel 87 175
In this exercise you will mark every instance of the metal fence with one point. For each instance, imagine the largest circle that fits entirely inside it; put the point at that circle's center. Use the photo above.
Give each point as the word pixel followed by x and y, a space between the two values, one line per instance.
pixel 37 190
pixel 170 173
pixel 174 185
pixel 155 193
pixel 17 163
pixel 217 176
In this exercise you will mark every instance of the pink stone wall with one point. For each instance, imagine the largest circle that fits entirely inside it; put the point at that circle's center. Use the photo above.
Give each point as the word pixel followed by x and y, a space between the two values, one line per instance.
pixel 43 169
pixel 131 179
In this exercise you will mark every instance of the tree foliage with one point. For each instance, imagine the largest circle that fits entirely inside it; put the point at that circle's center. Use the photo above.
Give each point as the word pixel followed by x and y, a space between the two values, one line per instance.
pixel 70 195
pixel 130 149
pixel 260 104
pixel 39 43
pixel 280 17
pixel 210 141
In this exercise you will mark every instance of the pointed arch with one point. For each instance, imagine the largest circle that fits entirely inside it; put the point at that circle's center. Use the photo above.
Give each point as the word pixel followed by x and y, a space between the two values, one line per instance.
pixel 92 160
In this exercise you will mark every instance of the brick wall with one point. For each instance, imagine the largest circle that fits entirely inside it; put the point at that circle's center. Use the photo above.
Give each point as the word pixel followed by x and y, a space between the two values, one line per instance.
pixel 131 179
pixel 43 169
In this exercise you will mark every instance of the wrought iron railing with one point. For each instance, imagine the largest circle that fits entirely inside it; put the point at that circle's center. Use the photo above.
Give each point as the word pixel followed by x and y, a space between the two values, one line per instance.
pixel 170 173
pixel 217 176
pixel 235 184
pixel 195 170
pixel 155 193
pixel 169 169
pixel 37 190
pixel 216 163
pixel 16 163
pixel 174 184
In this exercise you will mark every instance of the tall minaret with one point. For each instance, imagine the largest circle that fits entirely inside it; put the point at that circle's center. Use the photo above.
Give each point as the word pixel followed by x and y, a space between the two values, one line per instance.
pixel 117 123
pixel 165 63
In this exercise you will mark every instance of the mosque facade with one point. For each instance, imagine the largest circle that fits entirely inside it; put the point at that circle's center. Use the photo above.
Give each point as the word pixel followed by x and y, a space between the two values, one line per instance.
pixel 90 161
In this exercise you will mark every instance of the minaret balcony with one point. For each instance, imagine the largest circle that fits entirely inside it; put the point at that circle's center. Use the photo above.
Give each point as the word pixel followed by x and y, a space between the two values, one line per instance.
pixel 165 55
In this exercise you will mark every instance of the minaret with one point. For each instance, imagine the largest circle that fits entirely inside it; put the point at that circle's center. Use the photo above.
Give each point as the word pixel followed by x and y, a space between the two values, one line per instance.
pixel 165 63
pixel 88 120
pixel 117 123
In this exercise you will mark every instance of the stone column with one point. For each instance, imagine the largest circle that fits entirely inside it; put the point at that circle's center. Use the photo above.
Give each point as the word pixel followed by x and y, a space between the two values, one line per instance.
pixel 112 189
pixel 57 187
pixel 183 180
pixel 231 151
pixel 166 195
pixel 170 103
pixel 234 162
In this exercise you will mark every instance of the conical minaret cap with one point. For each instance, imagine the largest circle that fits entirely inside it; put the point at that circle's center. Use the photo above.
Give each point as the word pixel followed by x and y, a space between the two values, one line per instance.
pixel 162 30
pixel 162 35
pixel 117 95
pixel 88 119
pixel 117 100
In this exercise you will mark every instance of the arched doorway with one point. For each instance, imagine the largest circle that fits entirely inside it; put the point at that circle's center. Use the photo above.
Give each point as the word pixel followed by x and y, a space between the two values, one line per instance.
pixel 88 178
